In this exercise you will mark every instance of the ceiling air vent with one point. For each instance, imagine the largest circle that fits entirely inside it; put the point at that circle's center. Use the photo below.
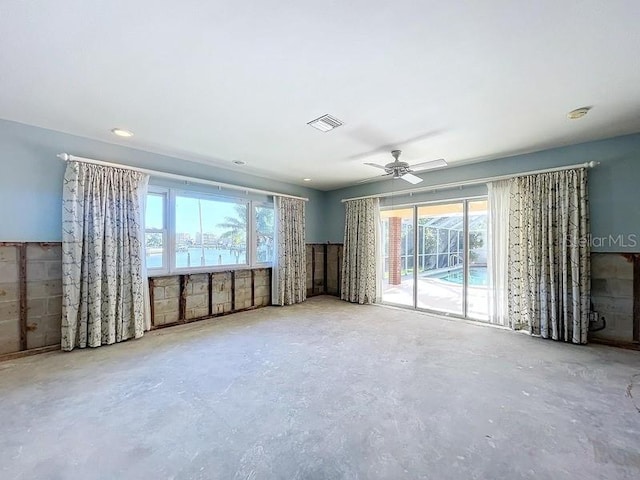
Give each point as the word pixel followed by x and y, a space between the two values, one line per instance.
pixel 325 123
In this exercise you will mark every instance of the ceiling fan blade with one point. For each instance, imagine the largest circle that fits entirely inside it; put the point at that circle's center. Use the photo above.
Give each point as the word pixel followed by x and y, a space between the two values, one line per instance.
pixel 441 162
pixel 376 165
pixel 373 179
pixel 409 177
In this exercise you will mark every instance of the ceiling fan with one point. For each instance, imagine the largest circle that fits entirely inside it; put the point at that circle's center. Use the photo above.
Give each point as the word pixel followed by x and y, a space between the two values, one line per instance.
pixel 404 171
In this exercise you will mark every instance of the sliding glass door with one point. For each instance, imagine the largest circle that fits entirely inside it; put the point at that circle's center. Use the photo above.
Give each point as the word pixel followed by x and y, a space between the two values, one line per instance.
pixel 477 274
pixel 435 257
pixel 441 258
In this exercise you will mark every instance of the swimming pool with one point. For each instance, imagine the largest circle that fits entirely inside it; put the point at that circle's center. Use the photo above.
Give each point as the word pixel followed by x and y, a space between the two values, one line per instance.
pixel 478 276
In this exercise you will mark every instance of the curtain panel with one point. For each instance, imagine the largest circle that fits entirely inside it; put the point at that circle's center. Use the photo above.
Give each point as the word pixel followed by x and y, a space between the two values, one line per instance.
pixel 359 272
pixel 289 283
pixel 548 264
pixel 103 277
pixel 498 242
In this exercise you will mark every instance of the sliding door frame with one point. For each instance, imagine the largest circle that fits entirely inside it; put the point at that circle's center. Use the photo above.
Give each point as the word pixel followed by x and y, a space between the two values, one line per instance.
pixel 465 268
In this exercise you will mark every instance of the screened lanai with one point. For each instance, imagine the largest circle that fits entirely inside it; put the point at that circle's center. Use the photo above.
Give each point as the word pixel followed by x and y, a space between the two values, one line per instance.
pixel 439 257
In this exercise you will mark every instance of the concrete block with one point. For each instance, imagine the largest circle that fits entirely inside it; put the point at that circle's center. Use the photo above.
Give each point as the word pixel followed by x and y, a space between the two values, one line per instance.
pixel 611 265
pixel 243 274
pixel 620 287
pixel 54 305
pixel 53 270
pixel 172 291
pixel 164 318
pixel 197 312
pixel 200 284
pixel 9 310
pixel 46 288
pixel 37 252
pixel 221 297
pixel 36 307
pixel 166 281
pixel 197 301
pixel 166 306
pixel 613 305
pixel 9 254
pixel 9 291
pixel 8 272
pixel 46 333
pixel 36 271
pixel 49 322
pixel 262 291
pixel 9 335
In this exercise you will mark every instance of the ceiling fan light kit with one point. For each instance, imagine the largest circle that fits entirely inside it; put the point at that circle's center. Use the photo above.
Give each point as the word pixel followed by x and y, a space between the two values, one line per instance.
pixel 405 171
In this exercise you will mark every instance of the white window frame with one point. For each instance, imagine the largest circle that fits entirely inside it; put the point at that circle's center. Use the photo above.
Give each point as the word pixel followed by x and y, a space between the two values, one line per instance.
pixel 254 230
pixel 169 232
pixel 164 192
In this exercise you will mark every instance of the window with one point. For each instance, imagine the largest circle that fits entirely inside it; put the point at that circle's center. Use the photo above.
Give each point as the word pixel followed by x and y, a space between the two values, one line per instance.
pixel 264 233
pixel 206 232
pixel 209 232
pixel 155 233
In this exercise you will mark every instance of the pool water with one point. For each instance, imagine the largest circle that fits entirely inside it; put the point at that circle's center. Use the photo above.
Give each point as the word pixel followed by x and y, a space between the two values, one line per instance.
pixel 478 276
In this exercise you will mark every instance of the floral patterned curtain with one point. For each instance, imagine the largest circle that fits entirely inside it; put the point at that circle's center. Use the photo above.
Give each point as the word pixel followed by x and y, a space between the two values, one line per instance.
pixel 289 283
pixel 548 267
pixel 359 272
pixel 102 255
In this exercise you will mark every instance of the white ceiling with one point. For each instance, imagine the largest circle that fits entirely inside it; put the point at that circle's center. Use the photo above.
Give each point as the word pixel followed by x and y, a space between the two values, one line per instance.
pixel 217 81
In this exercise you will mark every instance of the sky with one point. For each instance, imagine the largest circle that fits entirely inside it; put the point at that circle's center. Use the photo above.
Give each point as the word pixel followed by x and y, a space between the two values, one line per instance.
pixel 187 218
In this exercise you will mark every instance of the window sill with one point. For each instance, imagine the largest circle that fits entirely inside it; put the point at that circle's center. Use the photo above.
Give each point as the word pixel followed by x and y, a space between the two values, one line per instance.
pixel 202 270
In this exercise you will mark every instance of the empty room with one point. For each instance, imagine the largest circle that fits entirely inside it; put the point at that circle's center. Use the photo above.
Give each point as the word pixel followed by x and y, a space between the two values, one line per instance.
pixel 319 240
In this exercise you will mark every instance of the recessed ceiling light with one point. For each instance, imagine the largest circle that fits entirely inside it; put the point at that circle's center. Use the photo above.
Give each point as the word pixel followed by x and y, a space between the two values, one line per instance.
pixel 325 123
pixel 239 162
pixel 306 179
pixel 121 132
pixel 578 113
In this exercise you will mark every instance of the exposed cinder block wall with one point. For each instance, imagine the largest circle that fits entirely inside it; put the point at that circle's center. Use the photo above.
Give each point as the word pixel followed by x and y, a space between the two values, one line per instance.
pixel 612 295
pixel 334 269
pixel 9 301
pixel 44 295
pixel 242 289
pixel 208 294
pixel 262 287
pixel 221 295
pixel 196 296
pixel 166 300
pixel 323 259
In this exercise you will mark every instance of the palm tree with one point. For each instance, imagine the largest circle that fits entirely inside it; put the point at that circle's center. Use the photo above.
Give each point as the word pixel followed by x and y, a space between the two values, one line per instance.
pixel 236 226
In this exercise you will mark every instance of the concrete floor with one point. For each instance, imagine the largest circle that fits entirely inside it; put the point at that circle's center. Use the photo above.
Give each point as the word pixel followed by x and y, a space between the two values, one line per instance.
pixel 323 390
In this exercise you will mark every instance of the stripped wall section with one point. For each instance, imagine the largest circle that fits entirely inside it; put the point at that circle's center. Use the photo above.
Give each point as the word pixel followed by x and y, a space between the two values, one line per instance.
pixel 44 295
pixel 30 296
pixel 9 300
pixel 186 298
pixel 612 296
pixel 324 265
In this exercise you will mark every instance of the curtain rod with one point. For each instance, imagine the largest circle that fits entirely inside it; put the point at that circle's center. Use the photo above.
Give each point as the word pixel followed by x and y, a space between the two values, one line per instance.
pixel 445 186
pixel 173 176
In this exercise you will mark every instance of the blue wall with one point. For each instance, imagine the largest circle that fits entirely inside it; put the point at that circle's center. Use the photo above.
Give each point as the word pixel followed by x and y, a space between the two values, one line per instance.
pixel 31 180
pixel 614 188
pixel 31 183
